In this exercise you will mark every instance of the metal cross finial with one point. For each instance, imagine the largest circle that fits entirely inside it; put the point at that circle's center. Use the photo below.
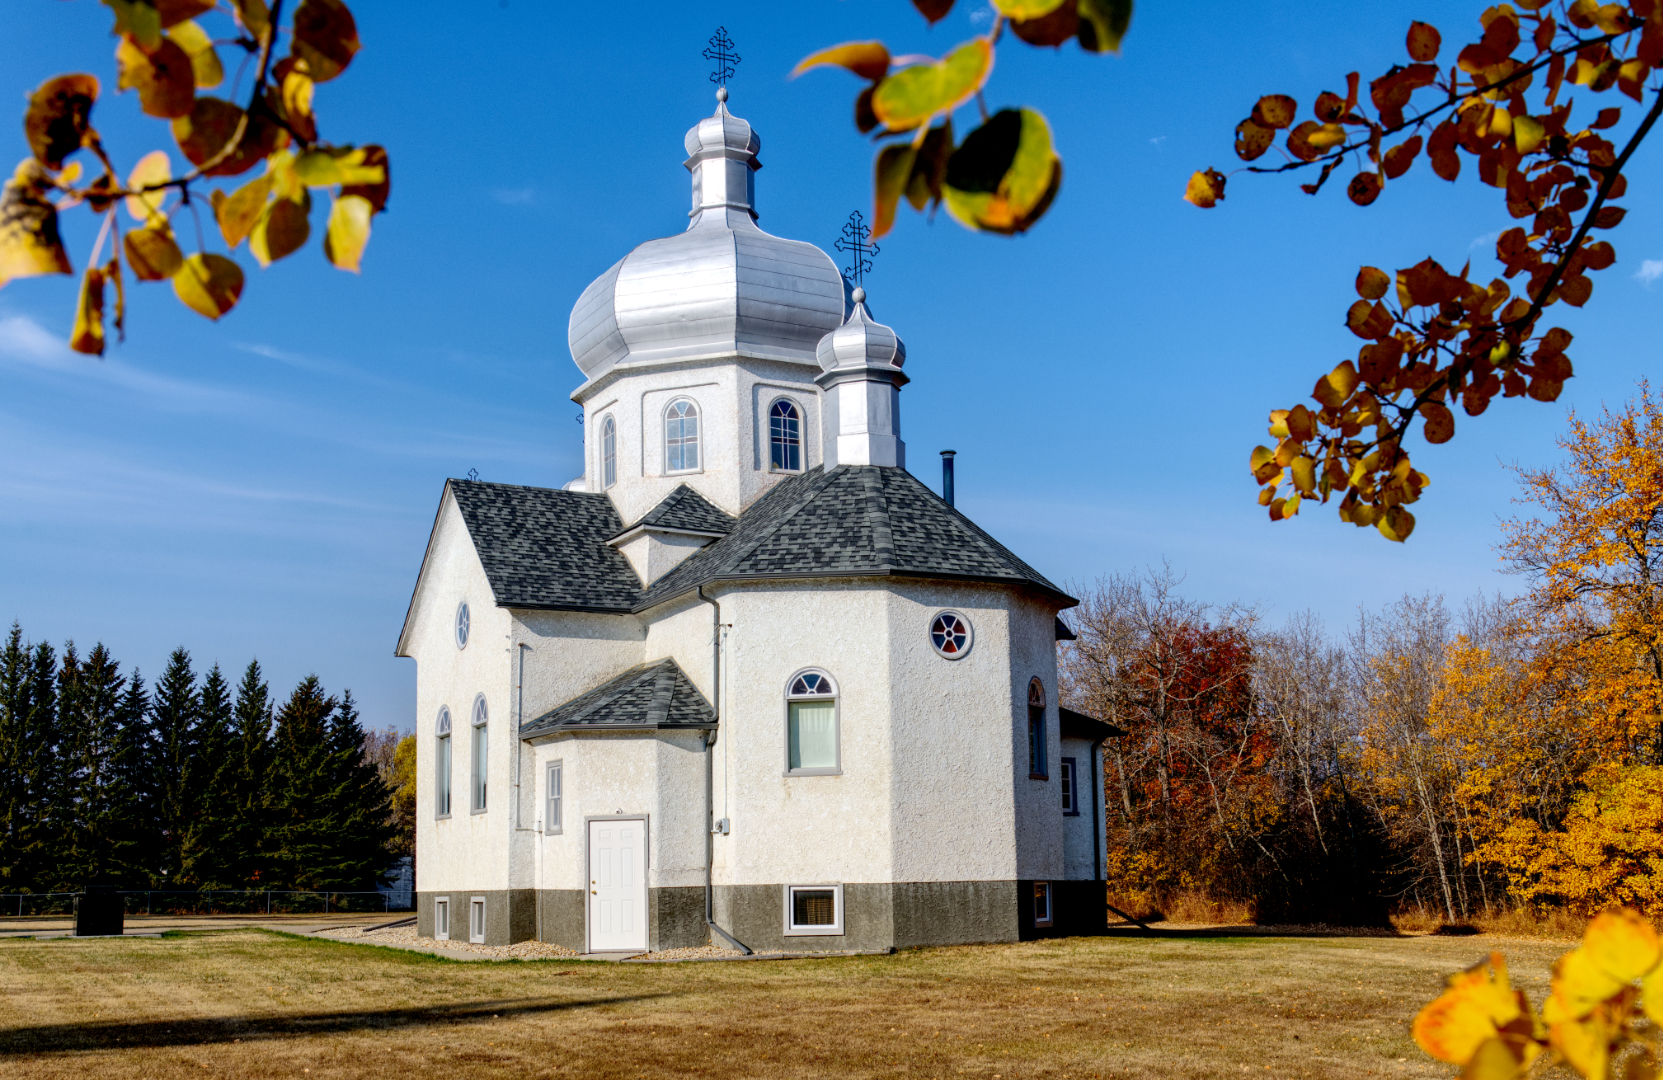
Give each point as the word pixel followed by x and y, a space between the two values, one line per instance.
pixel 473 474
pixel 722 55
pixel 856 240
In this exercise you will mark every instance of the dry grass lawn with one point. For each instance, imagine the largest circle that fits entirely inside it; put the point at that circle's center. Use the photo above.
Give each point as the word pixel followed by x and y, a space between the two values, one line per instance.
pixel 253 1003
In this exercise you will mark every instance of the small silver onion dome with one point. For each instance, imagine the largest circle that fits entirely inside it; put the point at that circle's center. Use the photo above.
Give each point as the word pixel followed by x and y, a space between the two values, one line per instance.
pixel 722 288
pixel 861 341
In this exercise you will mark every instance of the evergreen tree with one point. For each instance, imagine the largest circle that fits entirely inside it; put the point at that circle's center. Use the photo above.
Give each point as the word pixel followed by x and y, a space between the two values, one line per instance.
pixel 208 853
pixel 97 712
pixel 330 805
pixel 175 769
pixel 249 783
pixel 28 762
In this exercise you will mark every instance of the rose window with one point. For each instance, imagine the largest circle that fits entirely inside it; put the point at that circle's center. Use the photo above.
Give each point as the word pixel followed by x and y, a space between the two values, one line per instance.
pixel 950 634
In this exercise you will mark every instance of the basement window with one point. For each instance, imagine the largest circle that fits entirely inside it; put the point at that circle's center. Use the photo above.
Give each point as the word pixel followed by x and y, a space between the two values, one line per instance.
pixel 1042 903
pixel 813 910
pixel 476 920
pixel 441 919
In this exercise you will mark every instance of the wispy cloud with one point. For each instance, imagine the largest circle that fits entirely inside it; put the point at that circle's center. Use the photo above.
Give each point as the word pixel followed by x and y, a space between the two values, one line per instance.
pixel 1488 240
pixel 1649 271
pixel 515 196
pixel 24 341
pixel 1157 140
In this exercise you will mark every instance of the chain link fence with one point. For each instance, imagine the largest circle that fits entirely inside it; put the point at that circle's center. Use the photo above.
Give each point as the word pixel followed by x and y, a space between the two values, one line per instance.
pixel 204 902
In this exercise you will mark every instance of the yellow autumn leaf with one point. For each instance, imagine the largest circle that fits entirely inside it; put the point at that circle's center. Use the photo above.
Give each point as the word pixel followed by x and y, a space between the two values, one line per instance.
pixel 88 334
pixel 868 59
pixel 1205 188
pixel 29 239
pixel 1528 134
pixel 152 252
pixel 349 231
pixel 205 65
pixel 153 168
pixel 1579 986
pixel 209 284
pixel 1477 1004
pixel 910 97
pixel 1622 944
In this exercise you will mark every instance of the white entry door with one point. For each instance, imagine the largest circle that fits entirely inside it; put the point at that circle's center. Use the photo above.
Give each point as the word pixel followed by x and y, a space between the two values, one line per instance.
pixel 617 885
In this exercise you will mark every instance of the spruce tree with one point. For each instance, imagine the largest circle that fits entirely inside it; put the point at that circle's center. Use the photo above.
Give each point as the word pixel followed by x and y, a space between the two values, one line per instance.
pixel 248 842
pixel 28 763
pixel 301 792
pixel 175 768
pixel 208 855
pixel 364 830
pixel 96 712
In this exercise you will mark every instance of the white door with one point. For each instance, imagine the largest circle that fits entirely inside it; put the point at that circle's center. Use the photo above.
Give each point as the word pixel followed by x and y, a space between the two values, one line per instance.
pixel 617 885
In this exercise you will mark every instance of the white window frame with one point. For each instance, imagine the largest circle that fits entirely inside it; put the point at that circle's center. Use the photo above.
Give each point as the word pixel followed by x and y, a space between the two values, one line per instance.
pixel 836 698
pixel 1044 895
pixel 609 451
pixel 476 920
pixel 834 930
pixel 697 441
pixel 969 634
pixel 463 625
pixel 479 756
pixel 441 918
pixel 553 793
pixel 1070 775
pixel 801 418
pixel 443 755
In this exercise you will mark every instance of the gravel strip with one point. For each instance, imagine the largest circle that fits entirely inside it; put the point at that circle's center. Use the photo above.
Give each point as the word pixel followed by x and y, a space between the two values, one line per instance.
pixel 406 935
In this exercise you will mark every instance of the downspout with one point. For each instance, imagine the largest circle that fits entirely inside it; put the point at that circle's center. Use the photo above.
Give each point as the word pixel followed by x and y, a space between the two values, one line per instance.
pixel 710 774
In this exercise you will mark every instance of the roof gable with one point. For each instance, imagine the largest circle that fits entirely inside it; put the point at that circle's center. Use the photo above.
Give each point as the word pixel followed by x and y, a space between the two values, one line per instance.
pixel 546 548
pixel 686 509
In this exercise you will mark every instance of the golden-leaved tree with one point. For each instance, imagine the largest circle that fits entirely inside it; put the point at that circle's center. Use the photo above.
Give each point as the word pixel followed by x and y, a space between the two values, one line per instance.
pixel 167 57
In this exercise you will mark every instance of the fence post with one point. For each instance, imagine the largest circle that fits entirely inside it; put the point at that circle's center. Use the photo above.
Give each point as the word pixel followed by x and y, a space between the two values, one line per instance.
pixel 326 903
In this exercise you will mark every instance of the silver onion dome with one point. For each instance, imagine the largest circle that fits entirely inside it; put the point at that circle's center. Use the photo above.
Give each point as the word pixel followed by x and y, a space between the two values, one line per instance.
pixel 861 342
pixel 722 288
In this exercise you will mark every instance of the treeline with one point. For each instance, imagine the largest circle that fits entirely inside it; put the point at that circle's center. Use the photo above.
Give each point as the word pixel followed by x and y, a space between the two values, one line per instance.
pixel 188 784
pixel 1509 755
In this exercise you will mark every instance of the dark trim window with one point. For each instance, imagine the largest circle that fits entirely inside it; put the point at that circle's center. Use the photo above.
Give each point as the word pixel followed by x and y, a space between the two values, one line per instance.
pixel 1042 903
pixel 1036 732
pixel 785 437
pixel 1070 789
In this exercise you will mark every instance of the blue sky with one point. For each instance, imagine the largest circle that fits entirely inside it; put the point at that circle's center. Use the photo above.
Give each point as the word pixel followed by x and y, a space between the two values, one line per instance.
pixel 264 486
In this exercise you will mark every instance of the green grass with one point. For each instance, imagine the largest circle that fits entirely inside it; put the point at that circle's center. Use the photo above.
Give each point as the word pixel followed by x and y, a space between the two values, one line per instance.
pixel 251 1003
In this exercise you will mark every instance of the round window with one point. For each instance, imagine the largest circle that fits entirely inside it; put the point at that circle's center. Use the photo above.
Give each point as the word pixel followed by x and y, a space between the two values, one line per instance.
pixel 462 625
pixel 951 635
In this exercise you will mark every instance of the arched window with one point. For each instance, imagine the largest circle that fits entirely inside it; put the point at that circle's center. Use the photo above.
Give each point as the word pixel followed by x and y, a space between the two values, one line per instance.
pixel 441 771
pixel 1036 731
pixel 681 436
pixel 785 436
pixel 481 718
pixel 811 736
pixel 462 625
pixel 609 453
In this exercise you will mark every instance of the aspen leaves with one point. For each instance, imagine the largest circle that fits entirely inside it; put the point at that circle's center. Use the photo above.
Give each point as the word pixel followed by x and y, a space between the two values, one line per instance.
pixel 1432 338
pixel 1601 991
pixel 1006 173
pixel 165 56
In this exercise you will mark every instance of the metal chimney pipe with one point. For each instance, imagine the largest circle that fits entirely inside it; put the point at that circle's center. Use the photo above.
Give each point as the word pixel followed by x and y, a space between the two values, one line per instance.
pixel 947 475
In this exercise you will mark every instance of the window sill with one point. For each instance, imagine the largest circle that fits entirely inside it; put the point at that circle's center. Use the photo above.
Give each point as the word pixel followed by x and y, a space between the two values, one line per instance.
pixel 441 817
pixel 814 931
pixel 1070 813
pixel 559 832
pixel 481 810
pixel 812 772
pixel 1046 925
pixel 1038 776
pixel 683 472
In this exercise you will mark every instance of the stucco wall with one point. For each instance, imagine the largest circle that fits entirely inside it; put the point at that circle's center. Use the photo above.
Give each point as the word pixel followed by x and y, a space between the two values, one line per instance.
pixel 467 850
pixel 1082 860
pixel 733 397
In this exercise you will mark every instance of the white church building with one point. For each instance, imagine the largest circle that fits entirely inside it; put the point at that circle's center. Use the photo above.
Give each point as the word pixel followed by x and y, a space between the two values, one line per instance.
pixel 746 681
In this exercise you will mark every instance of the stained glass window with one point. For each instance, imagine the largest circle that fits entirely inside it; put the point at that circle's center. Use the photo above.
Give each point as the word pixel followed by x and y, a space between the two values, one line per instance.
pixel 950 634
pixel 785 440
pixel 681 436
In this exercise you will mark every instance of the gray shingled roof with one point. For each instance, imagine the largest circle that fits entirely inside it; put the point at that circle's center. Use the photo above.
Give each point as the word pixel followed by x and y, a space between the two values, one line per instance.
pixel 685 508
pixel 656 695
pixel 544 548
pixel 854 520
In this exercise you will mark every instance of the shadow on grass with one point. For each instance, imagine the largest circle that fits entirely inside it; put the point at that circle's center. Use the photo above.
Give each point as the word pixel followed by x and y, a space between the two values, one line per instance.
pixel 143 1034
pixel 1249 930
